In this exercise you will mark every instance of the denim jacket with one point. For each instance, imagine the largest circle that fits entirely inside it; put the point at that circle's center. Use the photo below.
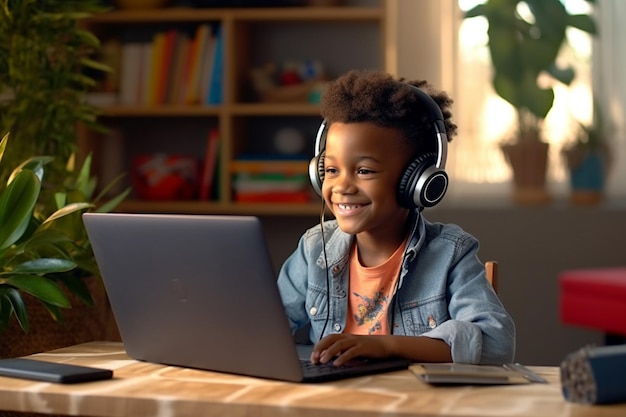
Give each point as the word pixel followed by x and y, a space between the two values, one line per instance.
pixel 442 291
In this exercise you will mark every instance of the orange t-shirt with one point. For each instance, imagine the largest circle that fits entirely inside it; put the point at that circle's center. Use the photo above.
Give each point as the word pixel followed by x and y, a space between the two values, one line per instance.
pixel 370 291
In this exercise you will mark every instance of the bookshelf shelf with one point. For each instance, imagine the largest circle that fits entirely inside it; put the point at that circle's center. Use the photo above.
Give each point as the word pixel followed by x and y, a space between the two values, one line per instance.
pixel 309 14
pixel 252 38
pixel 161 111
pixel 276 109
pixel 199 207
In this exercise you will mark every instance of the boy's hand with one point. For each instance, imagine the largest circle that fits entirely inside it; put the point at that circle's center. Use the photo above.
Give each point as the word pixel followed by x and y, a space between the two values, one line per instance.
pixel 343 347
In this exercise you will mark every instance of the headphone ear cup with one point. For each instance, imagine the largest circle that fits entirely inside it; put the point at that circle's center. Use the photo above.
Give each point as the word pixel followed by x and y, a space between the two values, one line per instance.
pixel 422 184
pixel 320 168
pixel 407 183
pixel 316 165
pixel 316 173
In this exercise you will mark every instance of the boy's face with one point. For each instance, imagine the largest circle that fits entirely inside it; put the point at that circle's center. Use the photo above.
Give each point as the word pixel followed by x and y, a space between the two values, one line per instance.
pixel 363 164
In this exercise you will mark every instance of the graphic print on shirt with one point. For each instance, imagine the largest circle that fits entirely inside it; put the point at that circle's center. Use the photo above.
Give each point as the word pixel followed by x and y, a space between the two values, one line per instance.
pixel 369 310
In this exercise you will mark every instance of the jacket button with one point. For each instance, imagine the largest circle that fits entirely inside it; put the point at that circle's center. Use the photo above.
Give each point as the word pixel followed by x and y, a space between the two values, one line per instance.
pixel 313 311
pixel 335 269
pixel 337 327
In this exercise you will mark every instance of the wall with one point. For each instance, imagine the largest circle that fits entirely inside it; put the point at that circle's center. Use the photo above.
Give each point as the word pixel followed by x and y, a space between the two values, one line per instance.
pixel 532 245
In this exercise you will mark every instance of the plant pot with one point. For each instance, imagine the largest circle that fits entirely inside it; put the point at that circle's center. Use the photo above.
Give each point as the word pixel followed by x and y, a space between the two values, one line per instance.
pixel 529 163
pixel 587 171
pixel 81 323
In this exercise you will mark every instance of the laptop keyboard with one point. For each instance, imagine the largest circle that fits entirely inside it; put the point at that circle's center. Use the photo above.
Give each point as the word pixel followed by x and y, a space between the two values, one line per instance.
pixel 356 367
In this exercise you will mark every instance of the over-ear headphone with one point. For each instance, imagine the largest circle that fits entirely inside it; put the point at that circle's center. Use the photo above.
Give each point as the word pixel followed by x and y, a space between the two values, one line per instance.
pixel 424 181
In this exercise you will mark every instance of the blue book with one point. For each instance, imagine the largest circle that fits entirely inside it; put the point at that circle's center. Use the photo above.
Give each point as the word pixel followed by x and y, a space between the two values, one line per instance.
pixel 215 93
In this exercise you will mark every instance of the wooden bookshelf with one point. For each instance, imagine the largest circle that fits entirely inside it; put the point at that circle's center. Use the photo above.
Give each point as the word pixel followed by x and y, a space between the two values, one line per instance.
pixel 342 38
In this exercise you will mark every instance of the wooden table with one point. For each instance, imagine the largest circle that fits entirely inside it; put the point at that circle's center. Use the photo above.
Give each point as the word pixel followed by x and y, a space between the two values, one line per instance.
pixel 145 389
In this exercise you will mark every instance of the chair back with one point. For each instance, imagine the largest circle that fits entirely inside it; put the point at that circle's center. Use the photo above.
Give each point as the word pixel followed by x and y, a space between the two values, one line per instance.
pixel 491 271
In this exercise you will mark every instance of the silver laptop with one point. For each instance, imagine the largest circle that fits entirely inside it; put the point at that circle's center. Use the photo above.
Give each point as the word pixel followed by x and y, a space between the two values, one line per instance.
pixel 199 291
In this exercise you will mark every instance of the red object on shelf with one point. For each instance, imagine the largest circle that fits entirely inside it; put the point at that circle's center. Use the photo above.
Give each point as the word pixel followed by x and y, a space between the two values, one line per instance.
pixel 594 298
pixel 165 177
pixel 290 77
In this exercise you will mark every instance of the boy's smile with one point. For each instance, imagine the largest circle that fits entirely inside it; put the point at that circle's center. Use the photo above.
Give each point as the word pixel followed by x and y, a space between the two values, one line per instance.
pixel 363 163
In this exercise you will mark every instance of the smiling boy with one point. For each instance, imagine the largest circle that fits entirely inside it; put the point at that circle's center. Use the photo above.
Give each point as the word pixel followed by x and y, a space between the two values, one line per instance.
pixel 380 280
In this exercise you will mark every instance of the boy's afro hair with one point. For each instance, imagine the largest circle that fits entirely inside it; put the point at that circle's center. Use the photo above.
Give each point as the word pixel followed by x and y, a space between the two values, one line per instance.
pixel 379 98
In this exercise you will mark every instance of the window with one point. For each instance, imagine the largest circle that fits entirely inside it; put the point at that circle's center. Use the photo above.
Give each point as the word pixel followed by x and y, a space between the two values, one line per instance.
pixel 476 164
pixel 609 60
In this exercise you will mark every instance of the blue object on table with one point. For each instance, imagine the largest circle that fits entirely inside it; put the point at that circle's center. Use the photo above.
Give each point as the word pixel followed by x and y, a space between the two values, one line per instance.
pixel 595 375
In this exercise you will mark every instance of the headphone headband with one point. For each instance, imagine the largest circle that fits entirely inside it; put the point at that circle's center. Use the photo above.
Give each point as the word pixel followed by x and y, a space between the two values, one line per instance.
pixel 436 118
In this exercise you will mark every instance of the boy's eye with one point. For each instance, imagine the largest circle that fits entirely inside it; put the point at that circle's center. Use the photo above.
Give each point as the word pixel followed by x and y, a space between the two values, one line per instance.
pixel 364 171
pixel 330 170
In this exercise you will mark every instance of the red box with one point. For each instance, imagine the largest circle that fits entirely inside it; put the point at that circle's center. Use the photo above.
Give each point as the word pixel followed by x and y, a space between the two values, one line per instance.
pixel 165 177
pixel 594 298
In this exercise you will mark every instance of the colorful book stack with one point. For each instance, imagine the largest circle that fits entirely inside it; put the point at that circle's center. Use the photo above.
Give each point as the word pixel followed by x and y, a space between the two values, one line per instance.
pixel 174 68
pixel 267 180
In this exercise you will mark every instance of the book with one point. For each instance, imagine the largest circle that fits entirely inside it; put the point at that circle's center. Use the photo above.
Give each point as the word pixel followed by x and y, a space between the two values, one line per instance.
pixel 215 88
pixel 188 69
pixel 460 373
pixel 208 63
pixel 166 64
pixel 155 69
pixel 209 165
pixel 201 41
pixel 145 73
pixel 130 73
pixel 178 68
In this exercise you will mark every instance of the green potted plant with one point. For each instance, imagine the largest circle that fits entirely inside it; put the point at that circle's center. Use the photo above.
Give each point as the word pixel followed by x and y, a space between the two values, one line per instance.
pixel 45 255
pixel 524 44
pixel 587 159
pixel 48 64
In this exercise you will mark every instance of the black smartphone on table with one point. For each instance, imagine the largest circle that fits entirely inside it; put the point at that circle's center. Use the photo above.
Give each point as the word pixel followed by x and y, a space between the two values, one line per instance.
pixel 63 373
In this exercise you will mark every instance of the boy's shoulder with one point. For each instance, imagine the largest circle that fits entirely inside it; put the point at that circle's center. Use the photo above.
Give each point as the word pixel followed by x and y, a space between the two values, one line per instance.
pixel 450 231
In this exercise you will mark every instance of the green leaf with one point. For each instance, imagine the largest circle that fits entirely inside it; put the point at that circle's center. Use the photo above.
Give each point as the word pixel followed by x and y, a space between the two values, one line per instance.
pixel 90 63
pixel 82 182
pixel 60 200
pixel 40 287
pixel 44 266
pixel 109 187
pixel 70 208
pixel 478 10
pixel 16 207
pixel 18 307
pixel 114 202
pixel 35 164
pixel 50 237
pixel 564 75
pixel 538 100
pixel 583 22
pixel 77 287
pixel 54 311
pixel 3 144
pixel 6 310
